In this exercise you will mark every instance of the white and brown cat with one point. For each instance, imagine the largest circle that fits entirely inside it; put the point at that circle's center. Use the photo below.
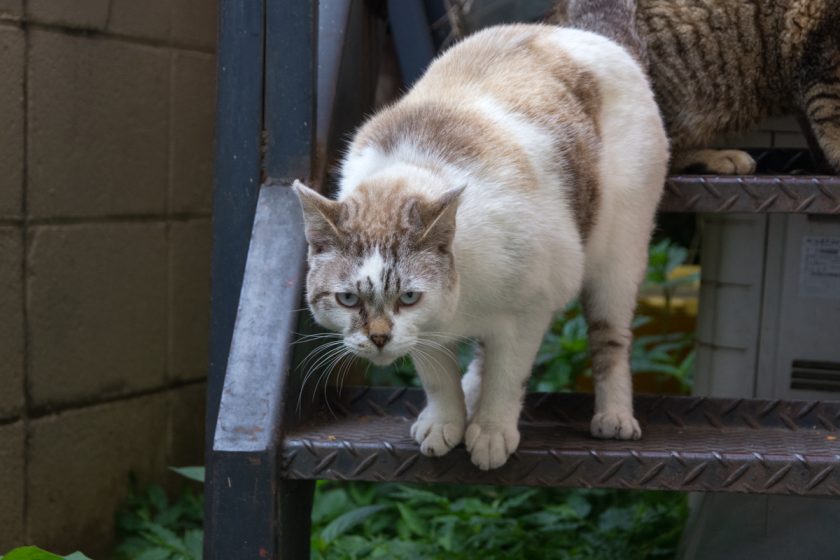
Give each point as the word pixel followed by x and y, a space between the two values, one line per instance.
pixel 524 168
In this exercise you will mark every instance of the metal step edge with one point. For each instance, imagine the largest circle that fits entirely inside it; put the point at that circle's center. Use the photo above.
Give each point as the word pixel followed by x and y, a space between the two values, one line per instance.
pixel 694 444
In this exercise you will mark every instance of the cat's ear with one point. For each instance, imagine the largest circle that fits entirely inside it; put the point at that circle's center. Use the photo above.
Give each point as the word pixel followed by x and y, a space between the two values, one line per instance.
pixel 320 215
pixel 439 219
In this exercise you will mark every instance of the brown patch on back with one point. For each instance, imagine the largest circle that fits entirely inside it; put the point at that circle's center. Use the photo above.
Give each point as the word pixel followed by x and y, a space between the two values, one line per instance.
pixel 573 120
pixel 519 68
pixel 455 134
pixel 562 98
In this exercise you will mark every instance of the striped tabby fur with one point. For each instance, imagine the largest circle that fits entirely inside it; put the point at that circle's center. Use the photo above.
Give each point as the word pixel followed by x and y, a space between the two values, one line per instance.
pixel 721 66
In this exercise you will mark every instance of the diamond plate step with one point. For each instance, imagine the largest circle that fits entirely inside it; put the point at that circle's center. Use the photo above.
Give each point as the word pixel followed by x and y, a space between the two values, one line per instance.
pixel 784 182
pixel 689 444
pixel 752 194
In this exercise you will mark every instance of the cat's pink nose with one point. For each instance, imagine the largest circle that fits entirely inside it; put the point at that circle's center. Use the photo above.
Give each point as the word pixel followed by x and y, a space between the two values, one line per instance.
pixel 380 339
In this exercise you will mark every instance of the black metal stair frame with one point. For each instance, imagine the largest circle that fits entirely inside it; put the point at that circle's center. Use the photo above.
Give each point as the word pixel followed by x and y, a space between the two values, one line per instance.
pixel 284 103
pixel 274 125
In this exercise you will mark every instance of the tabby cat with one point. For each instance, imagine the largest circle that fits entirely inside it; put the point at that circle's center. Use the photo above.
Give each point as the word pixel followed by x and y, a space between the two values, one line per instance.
pixel 524 166
pixel 721 66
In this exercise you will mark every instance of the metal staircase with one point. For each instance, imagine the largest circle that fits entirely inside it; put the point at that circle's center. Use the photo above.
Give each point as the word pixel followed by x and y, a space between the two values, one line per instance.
pixel 290 88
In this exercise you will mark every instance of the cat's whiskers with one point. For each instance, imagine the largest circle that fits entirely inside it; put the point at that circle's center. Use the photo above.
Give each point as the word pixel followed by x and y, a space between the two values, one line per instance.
pixel 430 361
pixel 326 355
pixel 449 336
pixel 422 362
pixel 440 369
pixel 339 362
pixel 324 359
pixel 345 370
pixel 325 375
pixel 299 309
pixel 315 336
pixel 436 345
pixel 341 367
pixel 318 350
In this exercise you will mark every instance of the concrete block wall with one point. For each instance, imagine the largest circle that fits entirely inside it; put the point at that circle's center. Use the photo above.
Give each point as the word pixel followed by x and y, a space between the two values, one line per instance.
pixel 106 139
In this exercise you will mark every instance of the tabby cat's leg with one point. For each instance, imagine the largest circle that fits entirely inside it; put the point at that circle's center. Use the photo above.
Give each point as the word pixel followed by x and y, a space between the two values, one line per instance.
pixel 716 162
pixel 819 95
pixel 492 434
pixel 609 298
pixel 440 426
pixel 471 382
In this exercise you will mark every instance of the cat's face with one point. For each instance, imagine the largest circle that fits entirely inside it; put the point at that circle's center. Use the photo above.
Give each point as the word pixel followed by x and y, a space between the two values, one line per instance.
pixel 381 269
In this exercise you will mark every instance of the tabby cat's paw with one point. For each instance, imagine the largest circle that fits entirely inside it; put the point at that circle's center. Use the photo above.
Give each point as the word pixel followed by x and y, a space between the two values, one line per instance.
pixel 436 433
pixel 615 425
pixel 717 162
pixel 730 162
pixel 490 444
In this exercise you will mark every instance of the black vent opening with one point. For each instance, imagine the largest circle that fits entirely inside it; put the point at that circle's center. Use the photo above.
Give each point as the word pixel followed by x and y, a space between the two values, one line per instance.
pixel 812 375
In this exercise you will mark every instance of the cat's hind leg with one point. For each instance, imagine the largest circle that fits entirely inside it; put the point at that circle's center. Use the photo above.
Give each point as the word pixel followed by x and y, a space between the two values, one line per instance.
pixel 493 435
pixel 715 162
pixel 610 288
pixel 440 426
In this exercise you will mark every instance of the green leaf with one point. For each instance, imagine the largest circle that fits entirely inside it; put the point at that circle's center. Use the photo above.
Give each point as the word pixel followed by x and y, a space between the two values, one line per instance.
pixel 330 504
pixel 31 553
pixel 616 518
pixel 579 504
pixel 342 523
pixel 164 536
pixel 446 532
pixel 364 495
pixel 413 521
pixel 194 541
pixel 418 495
pixel 559 373
pixel 155 553
pixel 517 500
pixel 74 556
pixel 157 497
pixel 193 473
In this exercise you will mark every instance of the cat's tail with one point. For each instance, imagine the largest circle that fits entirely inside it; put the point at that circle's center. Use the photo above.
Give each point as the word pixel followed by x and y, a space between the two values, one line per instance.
pixel 614 19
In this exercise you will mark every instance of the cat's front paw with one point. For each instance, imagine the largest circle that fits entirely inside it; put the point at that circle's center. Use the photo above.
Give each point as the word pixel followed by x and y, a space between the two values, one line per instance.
pixel 490 444
pixel 437 433
pixel 615 425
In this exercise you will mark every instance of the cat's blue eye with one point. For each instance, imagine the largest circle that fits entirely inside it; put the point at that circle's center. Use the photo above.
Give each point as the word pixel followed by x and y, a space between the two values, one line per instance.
pixel 410 298
pixel 347 299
